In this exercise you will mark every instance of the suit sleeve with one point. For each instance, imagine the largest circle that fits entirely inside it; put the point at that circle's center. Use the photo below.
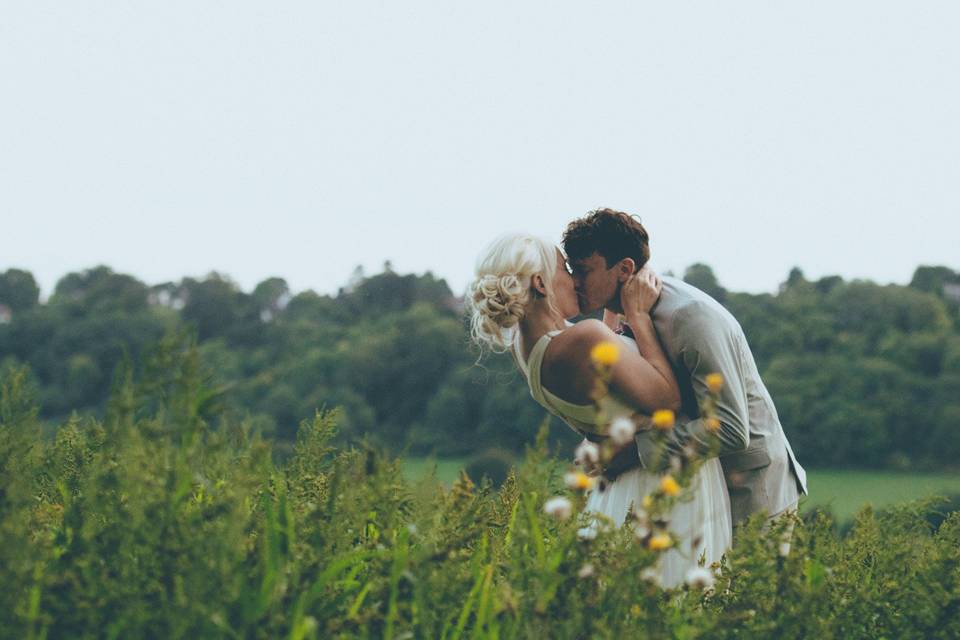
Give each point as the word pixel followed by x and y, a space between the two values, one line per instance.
pixel 707 344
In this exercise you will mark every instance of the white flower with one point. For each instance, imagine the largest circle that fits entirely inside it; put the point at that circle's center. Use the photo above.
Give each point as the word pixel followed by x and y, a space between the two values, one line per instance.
pixel 641 531
pixel 650 575
pixel 700 578
pixel 588 533
pixel 622 431
pixel 586 454
pixel 585 571
pixel 558 507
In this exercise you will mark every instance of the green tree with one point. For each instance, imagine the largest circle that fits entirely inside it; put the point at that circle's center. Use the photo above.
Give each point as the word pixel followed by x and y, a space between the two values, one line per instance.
pixel 99 290
pixel 271 296
pixel 701 276
pixel 18 290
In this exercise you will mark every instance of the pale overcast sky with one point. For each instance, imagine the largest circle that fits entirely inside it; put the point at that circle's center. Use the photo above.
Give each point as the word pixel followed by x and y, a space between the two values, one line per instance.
pixel 300 139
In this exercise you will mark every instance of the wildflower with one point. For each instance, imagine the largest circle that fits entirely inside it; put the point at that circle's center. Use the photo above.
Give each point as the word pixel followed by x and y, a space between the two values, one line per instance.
pixel 588 533
pixel 641 532
pixel 586 454
pixel 660 542
pixel 669 486
pixel 622 430
pixel 635 611
pixel 578 480
pixel 714 382
pixel 647 502
pixel 650 575
pixel 558 507
pixel 664 419
pixel 700 578
pixel 585 571
pixel 712 424
pixel 605 354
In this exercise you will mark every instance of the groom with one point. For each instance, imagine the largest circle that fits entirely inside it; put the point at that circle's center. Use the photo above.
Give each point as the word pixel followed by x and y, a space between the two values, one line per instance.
pixel 700 337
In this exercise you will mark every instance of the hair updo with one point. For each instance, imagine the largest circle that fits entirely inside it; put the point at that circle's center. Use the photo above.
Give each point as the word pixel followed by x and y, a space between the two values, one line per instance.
pixel 497 299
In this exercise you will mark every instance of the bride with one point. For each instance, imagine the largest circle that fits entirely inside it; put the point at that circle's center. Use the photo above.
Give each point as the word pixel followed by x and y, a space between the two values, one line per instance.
pixel 519 301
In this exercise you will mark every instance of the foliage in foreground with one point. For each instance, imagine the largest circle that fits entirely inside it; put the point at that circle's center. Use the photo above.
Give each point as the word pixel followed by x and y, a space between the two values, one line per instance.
pixel 154 523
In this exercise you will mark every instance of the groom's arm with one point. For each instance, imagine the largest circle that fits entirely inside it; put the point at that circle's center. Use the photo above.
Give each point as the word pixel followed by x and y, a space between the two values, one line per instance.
pixel 707 344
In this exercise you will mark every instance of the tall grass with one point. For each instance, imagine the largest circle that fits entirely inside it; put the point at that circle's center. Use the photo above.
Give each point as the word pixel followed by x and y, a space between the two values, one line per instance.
pixel 170 519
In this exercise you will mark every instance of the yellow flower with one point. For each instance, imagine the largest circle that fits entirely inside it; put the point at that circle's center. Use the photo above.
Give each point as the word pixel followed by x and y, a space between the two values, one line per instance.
pixel 712 424
pixel 605 354
pixel 635 611
pixel 663 419
pixel 647 501
pixel 660 542
pixel 714 382
pixel 669 486
pixel 579 480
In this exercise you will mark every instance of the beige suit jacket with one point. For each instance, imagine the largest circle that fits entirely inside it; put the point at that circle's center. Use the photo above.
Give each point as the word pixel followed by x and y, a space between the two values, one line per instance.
pixel 701 337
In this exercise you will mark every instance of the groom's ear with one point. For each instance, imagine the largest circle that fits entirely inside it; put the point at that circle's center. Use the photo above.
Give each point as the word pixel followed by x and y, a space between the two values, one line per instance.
pixel 625 268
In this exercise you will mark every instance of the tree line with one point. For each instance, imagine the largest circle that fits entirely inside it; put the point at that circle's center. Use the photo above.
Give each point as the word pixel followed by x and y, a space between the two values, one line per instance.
pixel 862 374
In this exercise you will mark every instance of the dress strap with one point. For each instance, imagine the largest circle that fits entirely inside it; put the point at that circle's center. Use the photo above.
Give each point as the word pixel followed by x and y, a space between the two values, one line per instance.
pixel 581 418
pixel 534 364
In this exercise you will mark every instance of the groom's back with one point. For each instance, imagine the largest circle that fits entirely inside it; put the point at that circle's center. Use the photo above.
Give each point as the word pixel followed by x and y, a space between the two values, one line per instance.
pixel 681 299
pixel 765 474
pixel 678 295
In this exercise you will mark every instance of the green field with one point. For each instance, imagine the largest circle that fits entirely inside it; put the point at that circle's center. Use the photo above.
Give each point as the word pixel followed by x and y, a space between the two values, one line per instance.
pixel 844 492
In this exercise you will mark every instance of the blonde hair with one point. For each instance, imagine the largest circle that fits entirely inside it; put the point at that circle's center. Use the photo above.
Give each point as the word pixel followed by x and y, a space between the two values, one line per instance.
pixel 497 299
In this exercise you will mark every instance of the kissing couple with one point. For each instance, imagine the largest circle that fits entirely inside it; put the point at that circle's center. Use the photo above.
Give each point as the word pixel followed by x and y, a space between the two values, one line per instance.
pixel 671 338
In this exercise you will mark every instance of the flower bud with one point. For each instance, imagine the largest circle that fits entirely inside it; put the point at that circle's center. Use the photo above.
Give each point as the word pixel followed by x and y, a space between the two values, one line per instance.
pixel 578 480
pixel 605 354
pixel 669 486
pixel 714 382
pixel 700 578
pixel 558 507
pixel 622 430
pixel 586 454
pixel 663 419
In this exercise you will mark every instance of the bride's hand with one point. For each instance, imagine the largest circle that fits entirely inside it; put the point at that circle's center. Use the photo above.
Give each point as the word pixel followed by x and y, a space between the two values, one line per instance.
pixel 640 292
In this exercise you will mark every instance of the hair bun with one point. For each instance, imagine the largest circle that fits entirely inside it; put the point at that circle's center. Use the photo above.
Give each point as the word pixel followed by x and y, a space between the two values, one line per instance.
pixel 497 299
pixel 500 299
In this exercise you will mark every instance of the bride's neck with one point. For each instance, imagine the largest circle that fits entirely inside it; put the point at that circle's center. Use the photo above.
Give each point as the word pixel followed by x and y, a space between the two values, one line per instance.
pixel 538 321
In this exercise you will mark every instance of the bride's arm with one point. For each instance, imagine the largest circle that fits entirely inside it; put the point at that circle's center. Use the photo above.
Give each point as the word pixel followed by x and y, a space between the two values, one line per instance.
pixel 633 377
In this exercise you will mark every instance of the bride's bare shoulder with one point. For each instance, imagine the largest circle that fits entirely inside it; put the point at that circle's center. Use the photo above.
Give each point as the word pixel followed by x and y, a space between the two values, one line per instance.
pixel 581 337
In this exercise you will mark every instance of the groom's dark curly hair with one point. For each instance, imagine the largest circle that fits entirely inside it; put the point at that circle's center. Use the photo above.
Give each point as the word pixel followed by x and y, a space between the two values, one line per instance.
pixel 615 235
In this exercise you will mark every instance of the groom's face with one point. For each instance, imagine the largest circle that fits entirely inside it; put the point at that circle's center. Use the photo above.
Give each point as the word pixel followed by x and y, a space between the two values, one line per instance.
pixel 596 284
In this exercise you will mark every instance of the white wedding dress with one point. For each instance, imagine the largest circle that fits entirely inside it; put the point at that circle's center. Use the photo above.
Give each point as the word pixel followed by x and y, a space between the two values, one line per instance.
pixel 703 524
